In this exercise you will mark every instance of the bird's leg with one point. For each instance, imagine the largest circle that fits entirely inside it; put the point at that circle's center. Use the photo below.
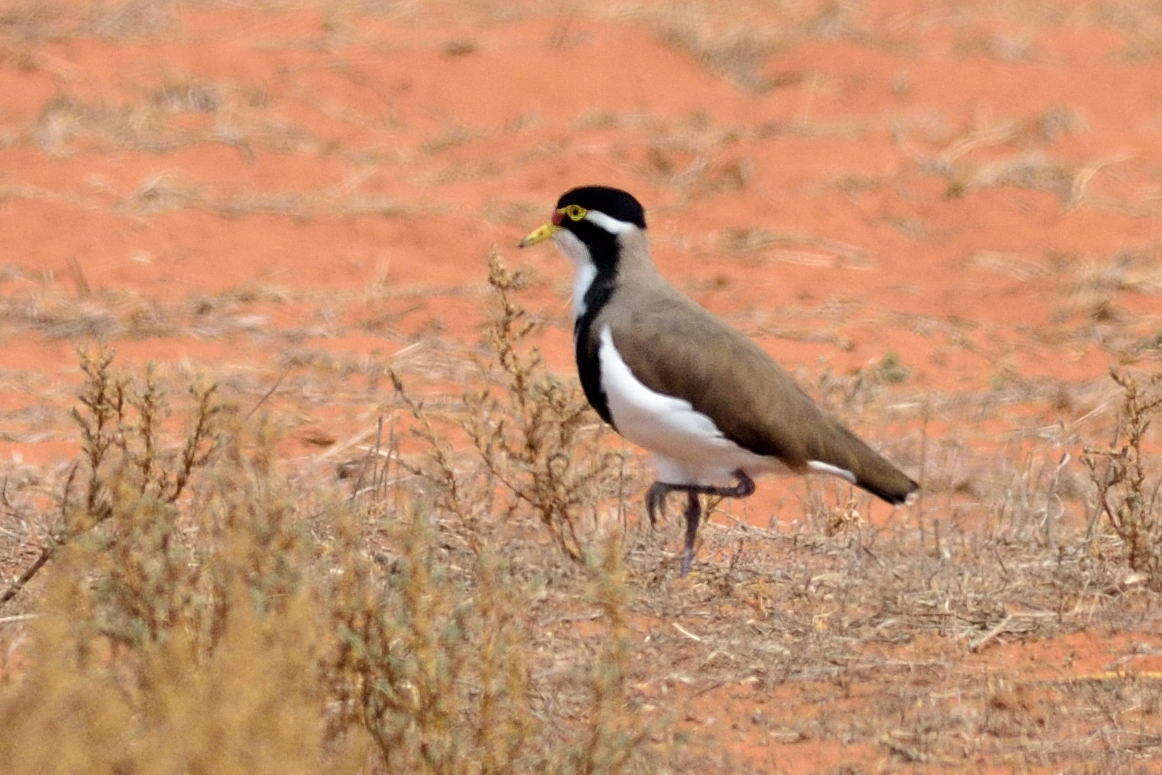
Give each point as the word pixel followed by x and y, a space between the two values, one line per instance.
pixel 656 504
pixel 743 488
pixel 693 514
pixel 656 500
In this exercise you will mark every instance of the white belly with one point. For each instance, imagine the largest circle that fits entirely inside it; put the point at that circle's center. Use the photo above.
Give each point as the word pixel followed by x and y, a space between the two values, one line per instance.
pixel 688 447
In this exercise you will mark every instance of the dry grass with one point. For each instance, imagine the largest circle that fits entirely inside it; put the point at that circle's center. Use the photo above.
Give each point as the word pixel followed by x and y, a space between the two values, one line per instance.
pixel 1127 488
pixel 167 192
pixel 532 433
pixel 423 621
pixel 738 47
pixel 176 114
pixel 333 631
pixel 478 592
pixel 1016 152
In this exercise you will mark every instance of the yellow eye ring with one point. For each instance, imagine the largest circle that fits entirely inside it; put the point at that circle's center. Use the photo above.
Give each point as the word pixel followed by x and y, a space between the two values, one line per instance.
pixel 573 212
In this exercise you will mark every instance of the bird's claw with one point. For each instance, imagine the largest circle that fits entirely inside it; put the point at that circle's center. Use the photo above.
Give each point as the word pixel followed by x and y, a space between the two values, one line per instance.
pixel 656 502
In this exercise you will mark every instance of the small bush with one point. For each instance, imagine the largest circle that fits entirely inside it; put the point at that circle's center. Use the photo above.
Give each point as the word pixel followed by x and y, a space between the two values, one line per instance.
pixel 534 435
pixel 1126 487
pixel 203 612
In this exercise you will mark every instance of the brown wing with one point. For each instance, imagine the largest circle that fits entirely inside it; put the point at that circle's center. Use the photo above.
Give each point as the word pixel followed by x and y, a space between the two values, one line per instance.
pixel 679 349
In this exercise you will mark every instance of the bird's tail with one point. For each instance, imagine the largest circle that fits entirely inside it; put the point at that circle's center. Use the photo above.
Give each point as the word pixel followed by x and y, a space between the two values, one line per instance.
pixel 864 467
pixel 894 489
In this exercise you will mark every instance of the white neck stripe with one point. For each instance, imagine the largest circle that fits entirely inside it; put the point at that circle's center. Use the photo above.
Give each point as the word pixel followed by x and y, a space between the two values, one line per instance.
pixel 610 224
pixel 582 281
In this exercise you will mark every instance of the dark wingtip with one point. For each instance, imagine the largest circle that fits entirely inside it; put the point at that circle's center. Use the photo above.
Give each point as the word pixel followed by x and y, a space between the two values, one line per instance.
pixel 893 495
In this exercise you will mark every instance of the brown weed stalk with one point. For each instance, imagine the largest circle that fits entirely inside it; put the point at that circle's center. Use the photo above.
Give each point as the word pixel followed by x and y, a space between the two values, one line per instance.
pixel 532 433
pixel 1120 474
pixel 120 423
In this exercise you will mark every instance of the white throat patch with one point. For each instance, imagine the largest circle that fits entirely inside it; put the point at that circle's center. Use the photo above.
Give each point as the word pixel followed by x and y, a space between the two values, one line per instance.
pixel 584 268
pixel 572 248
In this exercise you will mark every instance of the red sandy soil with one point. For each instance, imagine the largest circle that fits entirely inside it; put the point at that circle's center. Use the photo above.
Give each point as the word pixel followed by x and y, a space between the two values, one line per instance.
pixel 250 193
pixel 742 715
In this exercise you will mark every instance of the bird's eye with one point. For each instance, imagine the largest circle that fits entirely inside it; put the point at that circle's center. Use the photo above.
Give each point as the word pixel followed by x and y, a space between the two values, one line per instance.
pixel 574 212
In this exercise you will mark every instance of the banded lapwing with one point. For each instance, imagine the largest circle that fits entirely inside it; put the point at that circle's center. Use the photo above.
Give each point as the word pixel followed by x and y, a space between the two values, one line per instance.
pixel 709 404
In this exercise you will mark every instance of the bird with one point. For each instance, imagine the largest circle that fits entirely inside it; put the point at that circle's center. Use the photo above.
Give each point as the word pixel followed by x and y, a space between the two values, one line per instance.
pixel 710 405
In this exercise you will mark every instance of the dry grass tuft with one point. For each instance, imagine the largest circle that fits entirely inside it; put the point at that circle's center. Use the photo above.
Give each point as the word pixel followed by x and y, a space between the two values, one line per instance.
pixel 1126 486
pixel 1015 152
pixel 204 612
pixel 739 56
pixel 125 467
pixel 534 436
pixel 175 115
pixel 167 192
pixel 537 425
pixel 739 51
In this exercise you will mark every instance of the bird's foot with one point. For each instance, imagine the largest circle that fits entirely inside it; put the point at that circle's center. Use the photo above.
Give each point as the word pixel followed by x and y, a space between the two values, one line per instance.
pixel 656 500
pixel 656 504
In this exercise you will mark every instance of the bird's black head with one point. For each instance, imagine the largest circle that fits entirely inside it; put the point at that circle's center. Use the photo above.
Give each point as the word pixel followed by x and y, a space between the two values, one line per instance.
pixel 613 203
pixel 588 223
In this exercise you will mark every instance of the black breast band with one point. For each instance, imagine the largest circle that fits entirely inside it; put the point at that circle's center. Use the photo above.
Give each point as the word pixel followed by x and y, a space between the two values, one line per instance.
pixel 587 344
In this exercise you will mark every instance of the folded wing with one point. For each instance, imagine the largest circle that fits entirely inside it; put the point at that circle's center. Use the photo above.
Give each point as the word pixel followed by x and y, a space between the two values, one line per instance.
pixel 679 349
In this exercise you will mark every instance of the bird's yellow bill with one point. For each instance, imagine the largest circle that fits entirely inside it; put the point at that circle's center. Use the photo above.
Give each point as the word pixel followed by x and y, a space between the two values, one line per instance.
pixel 540 235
